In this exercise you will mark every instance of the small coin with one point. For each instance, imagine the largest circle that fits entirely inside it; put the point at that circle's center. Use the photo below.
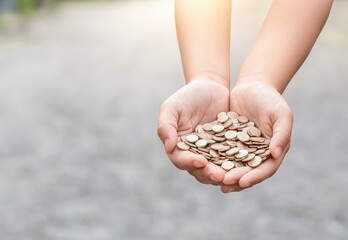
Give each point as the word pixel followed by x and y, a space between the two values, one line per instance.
pixel 238 164
pixel 199 128
pixel 250 124
pixel 220 161
pixel 223 118
pixel 206 150
pixel 256 161
pixel 190 144
pixel 224 149
pixel 249 157
pixel 243 119
pixel 207 126
pixel 242 153
pixel 235 121
pixel 218 128
pixel 220 114
pixel 243 136
pixel 254 132
pixel 228 123
pixel 201 143
pixel 232 151
pixel 214 153
pixel 192 138
pixel 228 165
pixel 216 146
pixel 218 139
pixel 183 146
pixel 220 134
pixel 232 114
pixel 265 154
pixel 231 143
pixel 230 134
pixel 257 139
pixel 259 151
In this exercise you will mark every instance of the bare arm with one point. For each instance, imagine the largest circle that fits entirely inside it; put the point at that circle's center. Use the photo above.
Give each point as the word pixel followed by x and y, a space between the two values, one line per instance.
pixel 203 30
pixel 286 38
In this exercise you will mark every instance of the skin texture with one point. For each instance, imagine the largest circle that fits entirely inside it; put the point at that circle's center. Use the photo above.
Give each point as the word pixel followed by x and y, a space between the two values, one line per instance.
pixel 203 29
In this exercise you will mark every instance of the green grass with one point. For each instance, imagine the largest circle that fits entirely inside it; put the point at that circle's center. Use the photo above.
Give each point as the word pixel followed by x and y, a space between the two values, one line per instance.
pixel 26 7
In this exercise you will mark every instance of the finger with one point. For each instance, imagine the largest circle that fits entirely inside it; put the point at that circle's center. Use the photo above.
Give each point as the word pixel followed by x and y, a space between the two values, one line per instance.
pixel 209 174
pixel 231 188
pixel 233 176
pixel 186 160
pixel 262 172
pixel 167 126
pixel 282 128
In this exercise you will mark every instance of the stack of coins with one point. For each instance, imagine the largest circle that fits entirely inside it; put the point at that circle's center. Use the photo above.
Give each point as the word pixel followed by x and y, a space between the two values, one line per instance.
pixel 229 141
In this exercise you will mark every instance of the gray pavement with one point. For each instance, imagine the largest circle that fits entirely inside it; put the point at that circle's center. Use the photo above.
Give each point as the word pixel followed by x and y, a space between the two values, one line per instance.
pixel 80 159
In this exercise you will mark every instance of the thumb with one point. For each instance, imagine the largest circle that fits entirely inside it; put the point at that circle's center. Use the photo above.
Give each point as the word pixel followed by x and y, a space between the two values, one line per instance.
pixel 167 126
pixel 282 128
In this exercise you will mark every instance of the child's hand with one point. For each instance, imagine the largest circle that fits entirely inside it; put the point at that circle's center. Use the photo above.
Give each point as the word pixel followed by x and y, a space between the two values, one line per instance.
pixel 264 105
pixel 197 102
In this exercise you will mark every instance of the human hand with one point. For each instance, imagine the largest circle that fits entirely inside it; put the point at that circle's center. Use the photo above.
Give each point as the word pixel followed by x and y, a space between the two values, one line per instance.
pixel 264 105
pixel 197 102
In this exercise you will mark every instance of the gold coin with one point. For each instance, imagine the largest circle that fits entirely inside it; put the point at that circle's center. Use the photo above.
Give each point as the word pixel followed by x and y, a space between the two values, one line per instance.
pixel 224 149
pixel 216 146
pixel 207 126
pixel 219 139
pixel 243 119
pixel 220 114
pixel 228 123
pixel 254 132
pixel 257 139
pixel 201 143
pixel 259 151
pixel 223 118
pixel 232 114
pixel 256 161
pixel 242 153
pixel 183 146
pixel 228 165
pixel 249 157
pixel 243 136
pixel 218 128
pixel 232 151
pixel 230 134
pixel 214 153
pixel 199 128
pixel 238 164
pixel 191 138
pixel 231 143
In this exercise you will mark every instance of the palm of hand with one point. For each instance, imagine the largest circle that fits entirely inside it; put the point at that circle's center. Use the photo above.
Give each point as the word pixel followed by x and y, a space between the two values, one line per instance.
pixel 262 104
pixel 197 102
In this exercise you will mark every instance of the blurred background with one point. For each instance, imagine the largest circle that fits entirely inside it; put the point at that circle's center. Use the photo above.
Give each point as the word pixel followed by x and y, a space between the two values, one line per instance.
pixel 81 83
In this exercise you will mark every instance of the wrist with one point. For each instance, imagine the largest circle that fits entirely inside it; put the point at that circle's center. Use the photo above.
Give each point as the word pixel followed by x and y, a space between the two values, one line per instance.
pixel 259 79
pixel 210 76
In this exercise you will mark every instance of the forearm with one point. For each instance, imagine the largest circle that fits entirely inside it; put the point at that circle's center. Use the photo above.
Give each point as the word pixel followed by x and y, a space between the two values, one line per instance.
pixel 285 40
pixel 203 30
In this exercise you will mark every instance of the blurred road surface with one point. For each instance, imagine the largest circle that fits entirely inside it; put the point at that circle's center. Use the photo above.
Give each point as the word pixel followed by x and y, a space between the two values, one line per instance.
pixel 80 159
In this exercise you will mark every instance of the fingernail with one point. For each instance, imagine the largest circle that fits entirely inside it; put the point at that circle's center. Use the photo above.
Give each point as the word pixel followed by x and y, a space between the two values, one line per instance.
pixel 230 189
pixel 213 178
pixel 198 164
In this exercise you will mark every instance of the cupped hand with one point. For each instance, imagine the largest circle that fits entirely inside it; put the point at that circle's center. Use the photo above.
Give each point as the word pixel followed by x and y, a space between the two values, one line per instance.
pixel 264 105
pixel 195 103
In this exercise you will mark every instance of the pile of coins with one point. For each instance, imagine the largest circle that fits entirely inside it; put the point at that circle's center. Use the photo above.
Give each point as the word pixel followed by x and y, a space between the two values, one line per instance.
pixel 229 141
